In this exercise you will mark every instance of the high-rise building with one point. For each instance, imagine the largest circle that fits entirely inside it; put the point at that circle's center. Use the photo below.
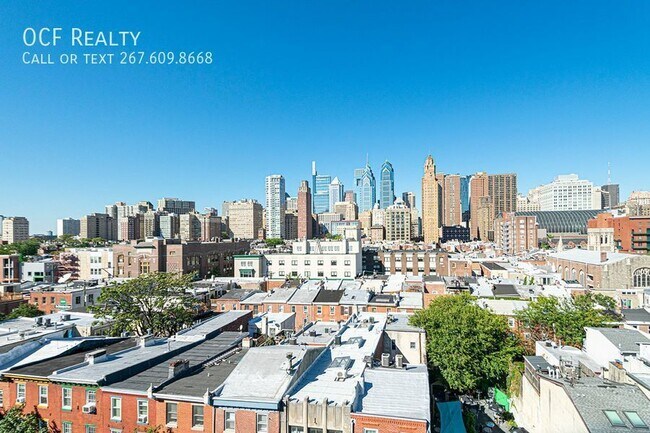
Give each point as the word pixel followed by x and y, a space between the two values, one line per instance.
pixel 365 218
pixel 409 199
pixel 15 229
pixel 430 203
pixel 386 185
pixel 320 191
pixel 190 226
pixel 569 192
pixel 515 234
pixel 210 224
pixel 611 197
pixel 305 218
pixel 275 206
pixel 335 193
pixel 292 203
pixel 350 196
pixel 347 210
pixel 452 209
pixel 416 223
pixel 244 218
pixel 464 199
pixel 128 228
pixel 291 224
pixel 98 225
pixel 150 224
pixel 502 189
pixel 175 205
pixel 364 183
pixel 479 198
pixel 397 221
pixel 68 226
pixel 169 226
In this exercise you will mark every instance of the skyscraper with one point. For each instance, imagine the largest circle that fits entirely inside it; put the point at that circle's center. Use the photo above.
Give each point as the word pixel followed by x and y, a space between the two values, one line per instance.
pixel 464 199
pixel 175 205
pixel 569 192
pixel 452 209
pixel 502 189
pixel 305 219
pixel 478 198
pixel 321 190
pixel 67 226
pixel 364 182
pixel 275 206
pixel 386 185
pixel 409 199
pixel 430 203
pixel 335 193
pixel 610 195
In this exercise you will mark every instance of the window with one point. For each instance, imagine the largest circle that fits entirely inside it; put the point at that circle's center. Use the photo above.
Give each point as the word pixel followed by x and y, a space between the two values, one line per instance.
pixel 332 311
pixel 262 423
pixel 412 345
pixel 319 262
pixel 66 427
pixel 333 262
pixel 172 413
pixel 333 274
pixel 143 411
pixel 197 416
pixel 116 408
pixel 115 430
pixel 346 262
pixel 90 428
pixel 229 420
pixel 319 310
pixel 614 418
pixel 348 274
pixel 294 262
pixel 370 430
pixel 295 429
pixel 42 395
pixel 20 391
pixel 2 399
pixel 77 300
pixel 90 396
pixel 66 398
pixel 307 262
pixel 635 419
pixel 320 273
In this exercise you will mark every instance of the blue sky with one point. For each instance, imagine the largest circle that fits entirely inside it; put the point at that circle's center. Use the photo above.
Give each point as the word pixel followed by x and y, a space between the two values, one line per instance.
pixel 535 87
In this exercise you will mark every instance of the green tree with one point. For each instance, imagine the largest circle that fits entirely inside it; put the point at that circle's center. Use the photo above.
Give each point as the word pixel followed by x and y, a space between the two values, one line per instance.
pixel 25 310
pixel 274 242
pixel 564 320
pixel 158 303
pixel 24 248
pixel 469 347
pixel 14 420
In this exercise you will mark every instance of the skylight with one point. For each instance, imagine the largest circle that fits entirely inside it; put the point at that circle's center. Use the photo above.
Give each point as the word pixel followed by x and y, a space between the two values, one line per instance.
pixel 614 418
pixel 635 419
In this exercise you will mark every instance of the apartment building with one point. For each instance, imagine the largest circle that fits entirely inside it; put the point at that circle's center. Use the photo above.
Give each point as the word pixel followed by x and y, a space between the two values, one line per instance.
pixel 244 218
pixel 9 268
pixel 515 234
pixel 15 229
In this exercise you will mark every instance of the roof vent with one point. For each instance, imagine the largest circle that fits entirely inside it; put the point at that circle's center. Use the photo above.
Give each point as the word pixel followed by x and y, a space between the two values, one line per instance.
pixel 95 356
pixel 177 367
pixel 385 359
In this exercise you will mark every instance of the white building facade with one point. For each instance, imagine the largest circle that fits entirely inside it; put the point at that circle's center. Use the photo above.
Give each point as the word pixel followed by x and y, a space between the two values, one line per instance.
pixel 275 206
pixel 568 192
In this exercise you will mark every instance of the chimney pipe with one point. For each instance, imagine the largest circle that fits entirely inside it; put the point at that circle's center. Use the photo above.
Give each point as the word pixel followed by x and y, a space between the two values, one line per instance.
pixel 603 256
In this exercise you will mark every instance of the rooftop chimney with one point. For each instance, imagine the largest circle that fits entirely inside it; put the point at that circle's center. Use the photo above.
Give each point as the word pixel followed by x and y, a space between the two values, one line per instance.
pixel 95 356
pixel 603 256
pixel 399 361
pixel 177 367
pixel 385 359
pixel 145 340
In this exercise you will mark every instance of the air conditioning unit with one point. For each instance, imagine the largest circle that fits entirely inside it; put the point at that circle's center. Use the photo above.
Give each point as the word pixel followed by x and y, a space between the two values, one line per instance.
pixel 143 419
pixel 20 400
pixel 89 408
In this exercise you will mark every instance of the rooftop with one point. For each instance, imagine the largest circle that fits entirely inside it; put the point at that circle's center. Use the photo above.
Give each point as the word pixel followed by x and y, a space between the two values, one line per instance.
pixel 589 257
pixel 627 340
pixel 636 315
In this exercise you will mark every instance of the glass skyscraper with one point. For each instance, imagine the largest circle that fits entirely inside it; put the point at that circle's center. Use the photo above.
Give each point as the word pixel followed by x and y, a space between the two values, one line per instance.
pixel 364 184
pixel 321 191
pixel 464 198
pixel 386 185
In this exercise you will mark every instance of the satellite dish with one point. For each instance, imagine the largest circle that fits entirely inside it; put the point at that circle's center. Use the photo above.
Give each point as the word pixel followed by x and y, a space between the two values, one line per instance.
pixel 65 278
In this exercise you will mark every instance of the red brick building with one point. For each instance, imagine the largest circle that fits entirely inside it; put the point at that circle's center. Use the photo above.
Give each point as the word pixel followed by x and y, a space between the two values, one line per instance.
pixel 631 233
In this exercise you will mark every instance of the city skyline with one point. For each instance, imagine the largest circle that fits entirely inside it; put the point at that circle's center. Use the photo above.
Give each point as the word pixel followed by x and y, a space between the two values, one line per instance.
pixel 451 80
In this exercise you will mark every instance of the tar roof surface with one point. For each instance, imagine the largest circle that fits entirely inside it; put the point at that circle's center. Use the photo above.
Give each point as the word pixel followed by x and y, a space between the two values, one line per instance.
pixel 329 296
pixel 48 366
pixel 636 315
pixel 505 290
pixel 493 266
pixel 199 354
pixel 209 377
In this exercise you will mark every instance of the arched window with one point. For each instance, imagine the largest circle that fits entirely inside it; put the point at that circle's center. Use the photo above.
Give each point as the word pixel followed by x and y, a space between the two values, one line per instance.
pixel 573 275
pixel 642 277
pixel 582 278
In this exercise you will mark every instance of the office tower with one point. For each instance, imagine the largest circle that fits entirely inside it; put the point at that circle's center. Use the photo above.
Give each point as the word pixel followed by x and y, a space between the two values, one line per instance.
pixel 169 226
pixel 128 228
pixel 452 200
pixel 478 186
pixel 416 223
pixel 292 203
pixel 150 224
pixel 68 226
pixel 335 193
pixel 98 225
pixel 15 229
pixel 502 189
pixel 245 218
pixel 210 226
pixel 347 210
pixel 321 190
pixel 365 218
pixel 175 205
pixel 464 199
pixel 364 182
pixel 430 203
pixel 325 221
pixel 275 206
pixel 484 218
pixel 291 224
pixel 611 196
pixel 189 226
pixel 386 185
pixel 397 221
pixel 378 215
pixel 350 196
pixel 568 192
pixel 305 218
pixel 409 199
